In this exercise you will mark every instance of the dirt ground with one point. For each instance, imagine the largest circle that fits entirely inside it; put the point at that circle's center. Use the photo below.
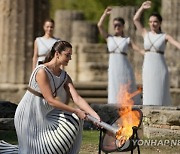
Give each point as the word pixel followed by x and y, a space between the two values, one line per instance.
pixel 147 146
pixel 143 150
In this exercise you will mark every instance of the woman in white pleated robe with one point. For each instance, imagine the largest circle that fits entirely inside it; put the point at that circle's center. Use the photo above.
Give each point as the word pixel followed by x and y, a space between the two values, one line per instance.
pixel 44 123
pixel 156 87
pixel 121 78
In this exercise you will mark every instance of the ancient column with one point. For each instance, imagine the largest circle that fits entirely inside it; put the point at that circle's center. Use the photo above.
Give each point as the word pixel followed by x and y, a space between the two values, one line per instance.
pixel 171 20
pixel 41 12
pixel 171 17
pixel 63 23
pixel 17 33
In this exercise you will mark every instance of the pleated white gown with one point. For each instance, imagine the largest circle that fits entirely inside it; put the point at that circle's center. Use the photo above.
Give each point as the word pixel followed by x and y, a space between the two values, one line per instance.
pixel 155 71
pixel 120 72
pixel 42 129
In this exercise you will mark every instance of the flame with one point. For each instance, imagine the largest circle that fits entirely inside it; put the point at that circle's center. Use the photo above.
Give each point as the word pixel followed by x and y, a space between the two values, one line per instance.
pixel 128 117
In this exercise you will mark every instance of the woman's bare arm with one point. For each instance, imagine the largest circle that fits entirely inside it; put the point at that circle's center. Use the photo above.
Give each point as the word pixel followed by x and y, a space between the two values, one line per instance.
pixel 102 31
pixel 172 41
pixel 79 101
pixel 44 85
pixel 137 17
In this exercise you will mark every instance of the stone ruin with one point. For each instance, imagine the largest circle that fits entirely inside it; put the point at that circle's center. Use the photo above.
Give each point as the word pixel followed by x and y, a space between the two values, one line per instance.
pixel 90 58
pixel 21 22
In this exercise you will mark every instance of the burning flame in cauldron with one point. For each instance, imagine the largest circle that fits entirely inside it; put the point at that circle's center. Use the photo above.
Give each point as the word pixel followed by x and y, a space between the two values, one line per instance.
pixel 129 118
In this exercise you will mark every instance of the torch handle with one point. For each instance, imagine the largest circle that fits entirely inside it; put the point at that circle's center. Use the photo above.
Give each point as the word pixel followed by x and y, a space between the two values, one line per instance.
pixel 103 124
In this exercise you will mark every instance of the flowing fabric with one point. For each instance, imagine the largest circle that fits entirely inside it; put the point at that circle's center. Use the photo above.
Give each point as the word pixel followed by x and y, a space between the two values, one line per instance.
pixel 155 72
pixel 120 72
pixel 41 128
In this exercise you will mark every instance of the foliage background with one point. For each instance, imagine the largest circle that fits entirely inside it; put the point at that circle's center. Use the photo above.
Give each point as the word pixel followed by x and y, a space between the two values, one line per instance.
pixel 94 8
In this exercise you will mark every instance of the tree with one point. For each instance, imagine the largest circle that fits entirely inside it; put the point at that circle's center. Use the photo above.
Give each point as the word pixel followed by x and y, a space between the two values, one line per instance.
pixel 94 8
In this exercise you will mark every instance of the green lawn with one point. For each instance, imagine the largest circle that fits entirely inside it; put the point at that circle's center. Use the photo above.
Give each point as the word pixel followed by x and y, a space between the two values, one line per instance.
pixel 90 142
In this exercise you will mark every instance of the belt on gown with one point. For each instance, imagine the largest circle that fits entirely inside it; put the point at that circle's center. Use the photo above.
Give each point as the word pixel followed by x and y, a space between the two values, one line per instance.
pixel 123 53
pixel 160 52
pixel 35 92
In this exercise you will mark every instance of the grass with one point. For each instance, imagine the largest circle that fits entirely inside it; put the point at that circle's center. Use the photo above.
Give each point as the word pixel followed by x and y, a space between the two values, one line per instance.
pixel 90 140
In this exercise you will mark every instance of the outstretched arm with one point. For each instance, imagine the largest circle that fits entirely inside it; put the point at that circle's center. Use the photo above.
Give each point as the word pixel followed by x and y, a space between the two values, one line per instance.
pixel 101 22
pixel 78 100
pixel 172 41
pixel 137 17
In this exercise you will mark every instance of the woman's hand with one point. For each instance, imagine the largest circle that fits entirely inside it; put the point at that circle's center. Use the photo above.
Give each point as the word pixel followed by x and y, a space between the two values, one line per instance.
pixel 94 118
pixel 146 5
pixel 102 31
pixel 81 114
pixel 108 11
pixel 95 115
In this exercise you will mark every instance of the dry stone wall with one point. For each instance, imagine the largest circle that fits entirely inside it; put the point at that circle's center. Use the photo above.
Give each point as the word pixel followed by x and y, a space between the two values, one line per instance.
pixel 161 122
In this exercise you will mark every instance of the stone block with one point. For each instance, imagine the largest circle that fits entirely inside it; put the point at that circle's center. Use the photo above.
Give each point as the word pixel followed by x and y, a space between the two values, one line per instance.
pixel 175 127
pixel 161 115
pixel 152 132
pixel 86 34
pixel 90 63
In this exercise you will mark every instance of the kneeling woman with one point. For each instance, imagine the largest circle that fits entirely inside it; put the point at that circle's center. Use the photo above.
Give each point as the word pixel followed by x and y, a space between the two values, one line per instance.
pixel 44 122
